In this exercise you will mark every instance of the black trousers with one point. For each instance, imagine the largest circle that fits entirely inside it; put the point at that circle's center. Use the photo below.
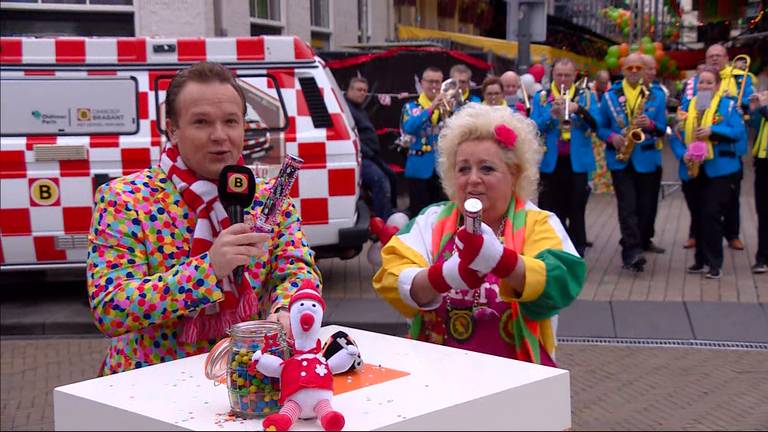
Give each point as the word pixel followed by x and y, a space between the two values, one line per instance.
pixel 653 201
pixel 761 204
pixel 715 196
pixel 565 193
pixel 636 198
pixel 691 191
pixel 423 192
pixel 732 217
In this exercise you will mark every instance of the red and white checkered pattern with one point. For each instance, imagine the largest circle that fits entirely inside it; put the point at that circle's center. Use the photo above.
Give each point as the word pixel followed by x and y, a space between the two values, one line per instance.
pixel 325 193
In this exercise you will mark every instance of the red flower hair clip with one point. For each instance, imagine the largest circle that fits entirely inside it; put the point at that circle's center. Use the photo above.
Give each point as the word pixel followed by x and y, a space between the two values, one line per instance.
pixel 505 135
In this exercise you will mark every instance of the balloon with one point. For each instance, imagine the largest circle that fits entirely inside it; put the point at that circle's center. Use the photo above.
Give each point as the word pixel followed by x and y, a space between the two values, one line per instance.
pixel 611 62
pixel 649 49
pixel 621 62
pixel 613 50
pixel 664 62
pixel 646 40
pixel 626 31
pixel 537 70
pixel 659 46
pixel 660 55
pixel 624 49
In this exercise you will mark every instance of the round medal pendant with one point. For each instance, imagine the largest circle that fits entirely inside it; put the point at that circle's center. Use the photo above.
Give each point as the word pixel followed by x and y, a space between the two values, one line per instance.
pixel 460 324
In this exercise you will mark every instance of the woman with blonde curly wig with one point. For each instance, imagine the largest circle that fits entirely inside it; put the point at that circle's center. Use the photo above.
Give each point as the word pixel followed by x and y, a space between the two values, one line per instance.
pixel 492 288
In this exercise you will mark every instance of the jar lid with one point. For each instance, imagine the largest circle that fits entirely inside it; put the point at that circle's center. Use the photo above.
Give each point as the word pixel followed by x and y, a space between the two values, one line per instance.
pixel 216 361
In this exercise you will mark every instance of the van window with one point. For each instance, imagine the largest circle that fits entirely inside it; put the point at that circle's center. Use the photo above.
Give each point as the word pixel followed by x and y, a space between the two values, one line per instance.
pixel 81 106
pixel 265 108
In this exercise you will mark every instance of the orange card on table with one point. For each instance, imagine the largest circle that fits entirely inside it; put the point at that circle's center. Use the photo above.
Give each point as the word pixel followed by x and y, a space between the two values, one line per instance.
pixel 365 376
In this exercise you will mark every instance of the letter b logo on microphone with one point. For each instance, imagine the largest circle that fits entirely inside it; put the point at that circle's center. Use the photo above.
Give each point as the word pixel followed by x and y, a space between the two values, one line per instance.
pixel 237 183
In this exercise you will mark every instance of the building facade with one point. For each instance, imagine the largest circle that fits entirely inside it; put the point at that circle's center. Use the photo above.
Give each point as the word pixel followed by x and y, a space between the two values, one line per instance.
pixel 328 24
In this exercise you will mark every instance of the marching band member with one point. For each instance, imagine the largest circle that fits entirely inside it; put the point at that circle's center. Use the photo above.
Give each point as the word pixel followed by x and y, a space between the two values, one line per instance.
pixel 630 107
pixel 569 157
pixel 421 121
pixel 493 91
pixel 730 82
pixel 759 120
pixel 462 74
pixel 718 132
pixel 513 92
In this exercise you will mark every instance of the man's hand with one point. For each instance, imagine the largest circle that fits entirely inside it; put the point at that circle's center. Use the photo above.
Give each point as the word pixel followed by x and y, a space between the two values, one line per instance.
pixel 558 105
pixel 642 121
pixel 573 107
pixel 702 133
pixel 617 141
pixel 438 100
pixel 235 246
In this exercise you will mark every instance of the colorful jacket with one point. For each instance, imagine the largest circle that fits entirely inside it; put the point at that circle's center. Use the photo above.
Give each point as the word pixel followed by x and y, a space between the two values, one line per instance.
pixel 422 152
pixel 727 138
pixel 646 156
pixel 554 275
pixel 581 154
pixel 141 282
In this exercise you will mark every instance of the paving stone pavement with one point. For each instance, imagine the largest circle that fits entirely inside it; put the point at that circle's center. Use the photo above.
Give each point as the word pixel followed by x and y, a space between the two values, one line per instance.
pixel 612 387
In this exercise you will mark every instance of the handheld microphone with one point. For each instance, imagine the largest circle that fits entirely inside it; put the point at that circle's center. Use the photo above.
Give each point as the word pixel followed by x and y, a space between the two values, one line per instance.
pixel 237 186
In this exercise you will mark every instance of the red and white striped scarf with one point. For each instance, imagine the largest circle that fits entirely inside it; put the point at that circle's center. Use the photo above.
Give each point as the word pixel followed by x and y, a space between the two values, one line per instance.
pixel 201 196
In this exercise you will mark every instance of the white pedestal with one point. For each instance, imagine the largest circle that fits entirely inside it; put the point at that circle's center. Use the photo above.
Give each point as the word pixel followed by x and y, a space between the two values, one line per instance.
pixel 447 389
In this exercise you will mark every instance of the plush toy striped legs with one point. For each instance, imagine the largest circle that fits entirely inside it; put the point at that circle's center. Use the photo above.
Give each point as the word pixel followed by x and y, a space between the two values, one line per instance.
pixel 283 420
pixel 330 420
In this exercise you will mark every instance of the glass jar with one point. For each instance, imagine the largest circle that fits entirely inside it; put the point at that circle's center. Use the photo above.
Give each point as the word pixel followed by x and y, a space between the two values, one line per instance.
pixel 251 394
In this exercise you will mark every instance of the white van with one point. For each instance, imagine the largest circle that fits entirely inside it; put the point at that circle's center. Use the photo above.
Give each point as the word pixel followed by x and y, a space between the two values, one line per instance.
pixel 77 112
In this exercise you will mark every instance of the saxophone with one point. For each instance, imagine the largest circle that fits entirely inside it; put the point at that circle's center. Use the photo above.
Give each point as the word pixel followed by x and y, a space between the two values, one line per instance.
pixel 633 134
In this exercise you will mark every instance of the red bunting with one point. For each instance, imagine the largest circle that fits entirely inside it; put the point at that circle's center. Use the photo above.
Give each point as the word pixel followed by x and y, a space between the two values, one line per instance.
pixel 354 61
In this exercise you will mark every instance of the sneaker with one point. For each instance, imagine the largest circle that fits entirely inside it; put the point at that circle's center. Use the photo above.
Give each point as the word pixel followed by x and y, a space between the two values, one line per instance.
pixel 760 267
pixel 736 244
pixel 637 264
pixel 713 273
pixel 696 268
pixel 690 244
pixel 654 249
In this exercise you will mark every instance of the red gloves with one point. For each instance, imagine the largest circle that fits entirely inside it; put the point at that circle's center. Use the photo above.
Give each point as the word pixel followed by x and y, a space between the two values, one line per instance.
pixel 485 253
pixel 453 274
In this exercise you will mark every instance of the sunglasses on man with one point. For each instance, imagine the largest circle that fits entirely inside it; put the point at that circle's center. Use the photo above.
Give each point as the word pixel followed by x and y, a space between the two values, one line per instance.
pixel 633 68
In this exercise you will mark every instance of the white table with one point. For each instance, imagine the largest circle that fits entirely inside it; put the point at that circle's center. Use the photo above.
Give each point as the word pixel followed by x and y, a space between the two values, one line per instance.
pixel 447 389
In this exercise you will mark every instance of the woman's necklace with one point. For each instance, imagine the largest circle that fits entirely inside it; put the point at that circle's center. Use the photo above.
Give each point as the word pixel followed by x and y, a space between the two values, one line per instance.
pixel 461 321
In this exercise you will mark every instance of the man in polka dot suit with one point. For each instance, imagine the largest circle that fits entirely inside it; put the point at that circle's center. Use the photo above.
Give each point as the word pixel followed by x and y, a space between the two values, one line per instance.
pixel 162 250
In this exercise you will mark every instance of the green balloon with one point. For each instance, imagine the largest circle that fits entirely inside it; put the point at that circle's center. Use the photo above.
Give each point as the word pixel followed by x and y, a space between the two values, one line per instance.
pixel 664 62
pixel 649 49
pixel 613 51
pixel 612 62
pixel 646 40
pixel 653 20
pixel 626 31
pixel 634 48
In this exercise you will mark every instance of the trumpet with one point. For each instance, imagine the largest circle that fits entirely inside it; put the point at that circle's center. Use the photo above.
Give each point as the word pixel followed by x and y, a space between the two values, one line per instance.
pixel 452 97
pixel 566 123
pixel 634 134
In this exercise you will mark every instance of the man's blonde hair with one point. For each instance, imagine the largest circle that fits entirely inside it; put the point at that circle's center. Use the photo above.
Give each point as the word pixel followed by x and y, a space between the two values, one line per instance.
pixel 477 122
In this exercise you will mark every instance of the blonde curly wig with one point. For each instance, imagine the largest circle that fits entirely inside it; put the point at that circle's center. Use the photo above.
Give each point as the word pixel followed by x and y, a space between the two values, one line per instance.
pixel 476 122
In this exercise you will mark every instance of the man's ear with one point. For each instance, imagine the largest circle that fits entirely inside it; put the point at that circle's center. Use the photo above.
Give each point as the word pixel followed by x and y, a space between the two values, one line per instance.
pixel 170 130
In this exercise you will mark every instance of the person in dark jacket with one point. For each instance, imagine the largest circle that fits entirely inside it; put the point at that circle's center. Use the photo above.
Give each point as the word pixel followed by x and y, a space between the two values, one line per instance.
pixel 378 178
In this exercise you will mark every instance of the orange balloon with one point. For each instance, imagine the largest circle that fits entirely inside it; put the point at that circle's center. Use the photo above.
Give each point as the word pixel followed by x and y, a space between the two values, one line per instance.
pixel 621 63
pixel 660 55
pixel 659 46
pixel 624 49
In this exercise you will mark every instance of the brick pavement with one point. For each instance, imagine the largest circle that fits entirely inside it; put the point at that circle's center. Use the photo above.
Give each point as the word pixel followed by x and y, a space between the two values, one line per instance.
pixel 612 387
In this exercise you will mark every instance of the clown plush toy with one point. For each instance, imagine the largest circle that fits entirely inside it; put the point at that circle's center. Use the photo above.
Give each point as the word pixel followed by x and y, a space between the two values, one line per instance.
pixel 306 381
